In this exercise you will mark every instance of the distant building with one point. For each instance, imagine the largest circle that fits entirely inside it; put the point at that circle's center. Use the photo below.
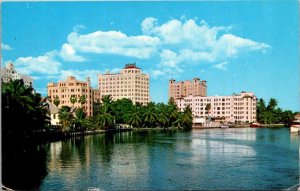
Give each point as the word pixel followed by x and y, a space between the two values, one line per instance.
pixel 130 83
pixel 196 87
pixel 9 73
pixel 65 89
pixel 235 108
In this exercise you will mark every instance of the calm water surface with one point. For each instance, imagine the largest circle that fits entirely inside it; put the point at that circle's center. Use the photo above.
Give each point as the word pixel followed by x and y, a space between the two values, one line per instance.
pixel 223 159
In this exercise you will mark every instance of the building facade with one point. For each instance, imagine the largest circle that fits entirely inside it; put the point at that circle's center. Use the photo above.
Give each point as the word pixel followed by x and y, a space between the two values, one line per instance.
pixel 9 73
pixel 235 108
pixel 72 87
pixel 130 83
pixel 196 87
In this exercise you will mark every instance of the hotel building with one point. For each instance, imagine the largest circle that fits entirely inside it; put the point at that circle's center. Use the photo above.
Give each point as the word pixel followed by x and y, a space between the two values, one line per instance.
pixel 196 87
pixel 235 108
pixel 65 89
pixel 9 73
pixel 130 83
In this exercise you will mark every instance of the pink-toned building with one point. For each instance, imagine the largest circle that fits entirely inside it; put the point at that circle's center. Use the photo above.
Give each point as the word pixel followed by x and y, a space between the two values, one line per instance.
pixel 196 87
pixel 130 83
pixel 235 108
pixel 65 89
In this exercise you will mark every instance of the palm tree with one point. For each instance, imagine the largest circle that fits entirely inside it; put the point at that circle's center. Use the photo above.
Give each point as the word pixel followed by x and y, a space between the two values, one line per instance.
pixel 56 101
pixel 80 120
pixel 187 118
pixel 134 117
pixel 272 104
pixel 82 100
pixel 21 103
pixel 66 118
pixel 208 108
pixel 162 115
pixel 73 99
pixel 106 99
pixel 104 119
pixel 149 117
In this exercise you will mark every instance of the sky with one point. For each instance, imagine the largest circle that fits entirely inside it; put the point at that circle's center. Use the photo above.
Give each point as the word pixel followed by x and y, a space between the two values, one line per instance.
pixel 235 46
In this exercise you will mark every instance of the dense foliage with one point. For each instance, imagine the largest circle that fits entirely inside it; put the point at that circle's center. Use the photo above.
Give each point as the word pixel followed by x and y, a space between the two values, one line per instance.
pixel 22 109
pixel 110 114
pixel 270 114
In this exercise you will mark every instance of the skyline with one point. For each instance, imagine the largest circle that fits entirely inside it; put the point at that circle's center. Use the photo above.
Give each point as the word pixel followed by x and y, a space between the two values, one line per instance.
pixel 234 46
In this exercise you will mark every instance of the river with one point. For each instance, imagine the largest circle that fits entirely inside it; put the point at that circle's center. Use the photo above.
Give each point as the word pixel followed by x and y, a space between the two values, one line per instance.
pixel 212 159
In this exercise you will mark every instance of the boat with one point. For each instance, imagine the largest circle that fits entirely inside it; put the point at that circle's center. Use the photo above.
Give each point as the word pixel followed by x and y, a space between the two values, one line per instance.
pixel 295 127
pixel 224 126
pixel 255 125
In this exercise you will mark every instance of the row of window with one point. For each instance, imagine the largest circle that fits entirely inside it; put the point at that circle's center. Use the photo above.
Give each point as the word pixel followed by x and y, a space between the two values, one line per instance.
pixel 124 90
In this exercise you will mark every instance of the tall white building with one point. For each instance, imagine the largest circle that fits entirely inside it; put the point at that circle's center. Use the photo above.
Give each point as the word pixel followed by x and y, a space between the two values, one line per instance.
pixel 235 108
pixel 130 83
pixel 9 73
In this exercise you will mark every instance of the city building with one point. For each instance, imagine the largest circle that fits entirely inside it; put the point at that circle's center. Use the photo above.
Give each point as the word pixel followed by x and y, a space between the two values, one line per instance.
pixel 235 108
pixel 130 83
pixel 196 87
pixel 9 73
pixel 65 89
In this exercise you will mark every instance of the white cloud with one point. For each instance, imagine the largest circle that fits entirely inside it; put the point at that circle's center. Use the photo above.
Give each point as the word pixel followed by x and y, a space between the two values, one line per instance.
pixel 45 64
pixel 221 66
pixel 156 73
pixel 185 33
pixel 186 41
pixel 114 42
pixel 5 47
pixel 68 53
pixel 169 58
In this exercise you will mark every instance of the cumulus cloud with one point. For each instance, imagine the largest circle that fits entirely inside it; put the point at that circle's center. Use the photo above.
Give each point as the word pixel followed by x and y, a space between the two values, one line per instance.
pixel 68 53
pixel 114 42
pixel 45 64
pixel 5 47
pixel 188 41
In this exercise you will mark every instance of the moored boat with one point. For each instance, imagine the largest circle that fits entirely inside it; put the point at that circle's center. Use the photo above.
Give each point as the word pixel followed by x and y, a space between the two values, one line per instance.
pixel 295 127
pixel 255 125
pixel 224 126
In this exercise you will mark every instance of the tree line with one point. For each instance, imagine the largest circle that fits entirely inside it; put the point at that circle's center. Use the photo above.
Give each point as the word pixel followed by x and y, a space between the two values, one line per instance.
pixel 110 114
pixel 24 112
pixel 272 114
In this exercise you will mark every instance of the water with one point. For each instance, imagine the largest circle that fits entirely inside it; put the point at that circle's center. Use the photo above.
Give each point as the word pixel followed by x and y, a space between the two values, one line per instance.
pixel 215 159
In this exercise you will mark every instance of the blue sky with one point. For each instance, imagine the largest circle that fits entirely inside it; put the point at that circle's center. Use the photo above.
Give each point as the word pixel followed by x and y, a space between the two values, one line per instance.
pixel 234 46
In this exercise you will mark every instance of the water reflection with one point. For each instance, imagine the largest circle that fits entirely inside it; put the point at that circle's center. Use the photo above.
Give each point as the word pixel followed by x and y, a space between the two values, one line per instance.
pixel 205 159
pixel 24 164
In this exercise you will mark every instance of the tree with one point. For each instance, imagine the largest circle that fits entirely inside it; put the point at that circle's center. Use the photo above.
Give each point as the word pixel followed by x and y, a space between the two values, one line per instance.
pixel 66 118
pixel 208 108
pixel 104 119
pixel 149 116
pixel 162 115
pixel 106 99
pixel 56 101
pixel 73 99
pixel 80 121
pixel 187 118
pixel 120 108
pixel 82 100
pixel 22 109
pixel 272 104
pixel 172 111
pixel 134 117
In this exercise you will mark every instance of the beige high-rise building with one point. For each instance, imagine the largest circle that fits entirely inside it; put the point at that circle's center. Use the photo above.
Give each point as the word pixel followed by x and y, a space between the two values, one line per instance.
pixel 130 83
pixel 235 108
pixel 9 73
pixel 196 87
pixel 65 89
